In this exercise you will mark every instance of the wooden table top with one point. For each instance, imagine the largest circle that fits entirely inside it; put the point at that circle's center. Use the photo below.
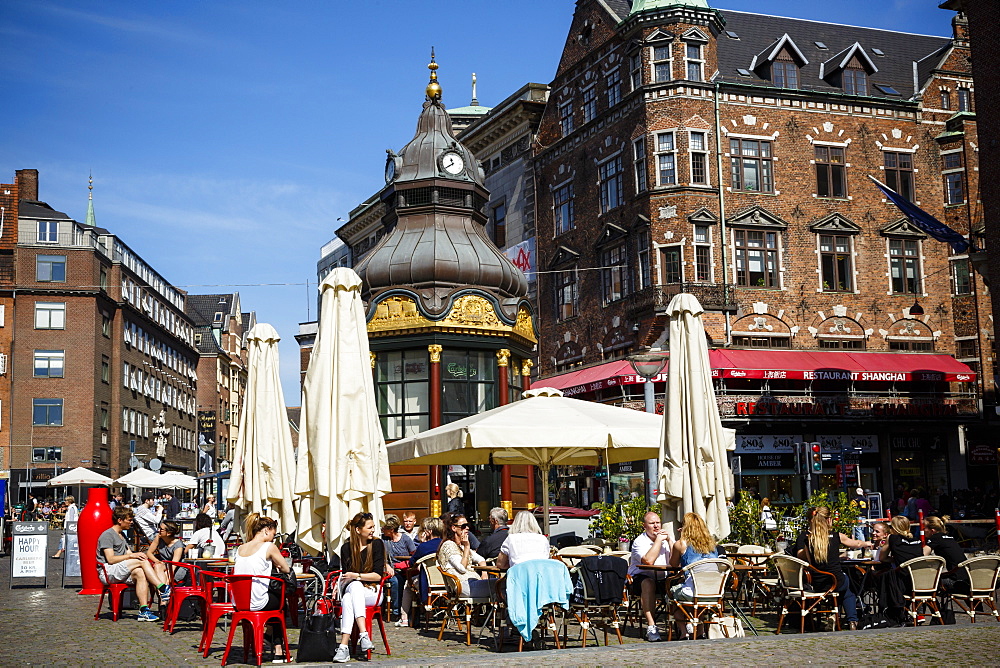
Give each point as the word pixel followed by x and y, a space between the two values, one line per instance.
pixel 660 567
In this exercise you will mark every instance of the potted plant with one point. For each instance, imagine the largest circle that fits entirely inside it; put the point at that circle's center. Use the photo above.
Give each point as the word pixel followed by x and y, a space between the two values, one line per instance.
pixel 618 523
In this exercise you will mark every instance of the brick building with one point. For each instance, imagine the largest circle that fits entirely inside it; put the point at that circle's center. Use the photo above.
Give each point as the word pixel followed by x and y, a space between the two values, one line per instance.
pixel 99 355
pixel 220 336
pixel 727 154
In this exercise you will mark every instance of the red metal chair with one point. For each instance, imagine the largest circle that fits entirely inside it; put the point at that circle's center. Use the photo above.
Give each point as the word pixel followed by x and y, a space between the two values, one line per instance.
pixel 182 587
pixel 212 582
pixel 115 593
pixel 253 622
pixel 372 613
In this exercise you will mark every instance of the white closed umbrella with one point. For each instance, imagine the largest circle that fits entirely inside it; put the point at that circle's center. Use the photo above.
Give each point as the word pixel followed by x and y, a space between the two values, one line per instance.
pixel 544 429
pixel 263 464
pixel 694 471
pixel 342 466
pixel 79 476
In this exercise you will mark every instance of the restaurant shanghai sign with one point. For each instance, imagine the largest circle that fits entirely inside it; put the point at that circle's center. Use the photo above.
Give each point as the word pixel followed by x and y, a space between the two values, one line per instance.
pixel 847 408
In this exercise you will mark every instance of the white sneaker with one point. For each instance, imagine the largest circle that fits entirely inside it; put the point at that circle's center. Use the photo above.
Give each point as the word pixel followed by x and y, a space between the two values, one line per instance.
pixel 366 642
pixel 652 634
pixel 343 654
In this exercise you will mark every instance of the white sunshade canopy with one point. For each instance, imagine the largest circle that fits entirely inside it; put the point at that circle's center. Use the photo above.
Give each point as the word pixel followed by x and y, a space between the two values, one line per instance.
pixel 80 476
pixel 168 480
pixel 135 476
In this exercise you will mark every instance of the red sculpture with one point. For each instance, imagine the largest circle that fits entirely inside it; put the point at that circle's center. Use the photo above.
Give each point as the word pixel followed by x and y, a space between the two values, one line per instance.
pixel 94 519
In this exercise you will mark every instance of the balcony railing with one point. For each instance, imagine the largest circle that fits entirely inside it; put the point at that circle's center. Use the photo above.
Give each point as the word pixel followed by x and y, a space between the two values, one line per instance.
pixel 712 296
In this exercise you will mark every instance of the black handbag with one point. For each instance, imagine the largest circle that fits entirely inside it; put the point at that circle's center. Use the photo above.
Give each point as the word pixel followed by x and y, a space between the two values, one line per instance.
pixel 317 639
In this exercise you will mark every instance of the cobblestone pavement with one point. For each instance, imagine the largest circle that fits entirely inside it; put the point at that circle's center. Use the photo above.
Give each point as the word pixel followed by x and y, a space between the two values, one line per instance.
pixel 56 626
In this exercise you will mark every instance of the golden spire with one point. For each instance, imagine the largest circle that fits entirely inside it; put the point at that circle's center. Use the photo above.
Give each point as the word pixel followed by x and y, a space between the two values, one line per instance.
pixel 433 88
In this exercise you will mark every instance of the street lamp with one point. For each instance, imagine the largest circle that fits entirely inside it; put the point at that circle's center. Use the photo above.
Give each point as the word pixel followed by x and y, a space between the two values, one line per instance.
pixel 649 365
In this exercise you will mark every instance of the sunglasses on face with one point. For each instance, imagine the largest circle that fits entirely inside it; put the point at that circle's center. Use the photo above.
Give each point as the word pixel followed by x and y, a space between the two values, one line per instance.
pixel 461 526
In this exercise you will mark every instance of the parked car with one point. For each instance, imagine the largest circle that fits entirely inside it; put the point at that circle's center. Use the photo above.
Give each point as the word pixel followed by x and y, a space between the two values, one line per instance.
pixel 567 525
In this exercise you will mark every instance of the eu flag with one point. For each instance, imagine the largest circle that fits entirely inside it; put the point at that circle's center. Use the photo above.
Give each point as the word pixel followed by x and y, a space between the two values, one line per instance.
pixel 926 221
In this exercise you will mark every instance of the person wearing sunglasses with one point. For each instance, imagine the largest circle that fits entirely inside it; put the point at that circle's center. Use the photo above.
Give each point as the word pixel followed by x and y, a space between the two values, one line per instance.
pixel 456 556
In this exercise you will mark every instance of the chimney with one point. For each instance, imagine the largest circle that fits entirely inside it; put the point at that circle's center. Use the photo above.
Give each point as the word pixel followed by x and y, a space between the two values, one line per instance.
pixel 27 184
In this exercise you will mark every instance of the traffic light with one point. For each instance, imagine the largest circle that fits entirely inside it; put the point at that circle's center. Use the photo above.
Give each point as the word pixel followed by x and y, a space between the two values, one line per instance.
pixel 816 450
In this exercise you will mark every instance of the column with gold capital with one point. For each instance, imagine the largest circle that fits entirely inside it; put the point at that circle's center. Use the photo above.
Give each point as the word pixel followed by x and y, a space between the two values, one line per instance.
pixel 526 385
pixel 503 362
pixel 434 419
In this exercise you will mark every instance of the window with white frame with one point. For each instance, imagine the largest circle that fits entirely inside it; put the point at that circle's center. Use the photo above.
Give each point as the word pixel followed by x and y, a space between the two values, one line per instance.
pixel 589 104
pixel 695 62
pixel 671 265
pixel 49 363
pixel 613 85
pixel 756 254
pixel 961 277
pixel 785 71
pixel 750 160
pixel 899 172
pixel 635 70
pixel 835 262
pixel 614 273
pixel 642 260
pixel 702 253
pixel 48 232
pixel 698 149
pixel 562 205
pixel 639 162
pixel 661 63
pixel 831 171
pixel 566 294
pixel 610 174
pixel 904 266
pixel 566 118
pixel 854 81
pixel 666 159
pixel 50 315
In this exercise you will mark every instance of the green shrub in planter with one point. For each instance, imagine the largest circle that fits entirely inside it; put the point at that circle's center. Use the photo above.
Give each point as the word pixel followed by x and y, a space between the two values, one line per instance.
pixel 619 522
pixel 746 527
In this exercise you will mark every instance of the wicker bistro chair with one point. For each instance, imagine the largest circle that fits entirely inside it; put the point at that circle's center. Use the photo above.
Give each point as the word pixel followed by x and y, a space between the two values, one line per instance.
pixel 709 577
pixel 437 590
pixel 925 575
pixel 795 589
pixel 983 573
pixel 757 587
pixel 460 602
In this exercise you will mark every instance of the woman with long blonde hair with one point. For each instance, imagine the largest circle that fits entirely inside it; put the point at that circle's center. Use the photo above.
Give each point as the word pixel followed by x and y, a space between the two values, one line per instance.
pixel 901 546
pixel 695 544
pixel 822 550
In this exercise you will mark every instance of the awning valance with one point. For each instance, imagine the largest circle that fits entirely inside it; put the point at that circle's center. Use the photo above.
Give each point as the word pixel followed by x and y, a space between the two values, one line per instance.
pixel 781 365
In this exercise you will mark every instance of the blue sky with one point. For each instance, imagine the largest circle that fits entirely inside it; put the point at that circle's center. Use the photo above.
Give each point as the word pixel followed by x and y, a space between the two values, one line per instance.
pixel 226 138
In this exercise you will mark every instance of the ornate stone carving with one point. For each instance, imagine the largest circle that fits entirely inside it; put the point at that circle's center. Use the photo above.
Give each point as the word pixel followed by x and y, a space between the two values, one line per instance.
pixel 435 351
pixel 372 357
pixel 503 357
pixel 469 313
pixel 526 367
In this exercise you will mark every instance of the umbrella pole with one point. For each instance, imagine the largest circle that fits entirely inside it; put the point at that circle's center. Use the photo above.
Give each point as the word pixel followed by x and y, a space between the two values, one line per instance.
pixel 547 530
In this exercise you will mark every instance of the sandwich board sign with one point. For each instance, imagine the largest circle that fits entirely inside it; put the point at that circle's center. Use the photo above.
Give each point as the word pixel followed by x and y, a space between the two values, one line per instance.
pixel 29 550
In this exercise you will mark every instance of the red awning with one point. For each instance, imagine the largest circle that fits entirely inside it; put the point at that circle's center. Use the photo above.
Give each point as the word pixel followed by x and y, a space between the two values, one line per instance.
pixel 830 365
pixel 780 364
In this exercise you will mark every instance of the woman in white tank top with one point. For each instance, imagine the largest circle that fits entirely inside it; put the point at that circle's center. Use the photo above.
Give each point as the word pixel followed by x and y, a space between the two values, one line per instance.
pixel 256 556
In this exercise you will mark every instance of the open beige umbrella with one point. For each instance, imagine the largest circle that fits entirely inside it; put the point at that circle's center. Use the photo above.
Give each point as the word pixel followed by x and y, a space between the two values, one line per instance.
pixel 261 478
pixel 79 476
pixel 342 467
pixel 544 429
pixel 130 479
pixel 694 471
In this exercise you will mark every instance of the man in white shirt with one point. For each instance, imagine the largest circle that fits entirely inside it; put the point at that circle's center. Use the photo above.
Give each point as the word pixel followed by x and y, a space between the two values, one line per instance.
pixel 148 518
pixel 650 548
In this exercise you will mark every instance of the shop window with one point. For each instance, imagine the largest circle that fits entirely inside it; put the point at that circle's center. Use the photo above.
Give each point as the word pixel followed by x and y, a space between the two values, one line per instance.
pixel 468 383
pixel 401 389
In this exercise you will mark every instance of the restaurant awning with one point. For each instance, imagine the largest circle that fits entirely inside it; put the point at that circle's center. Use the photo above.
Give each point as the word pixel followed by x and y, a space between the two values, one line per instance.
pixel 780 365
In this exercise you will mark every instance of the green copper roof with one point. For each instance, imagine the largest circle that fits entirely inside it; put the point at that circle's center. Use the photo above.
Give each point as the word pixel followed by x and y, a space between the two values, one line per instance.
pixel 471 110
pixel 91 218
pixel 644 5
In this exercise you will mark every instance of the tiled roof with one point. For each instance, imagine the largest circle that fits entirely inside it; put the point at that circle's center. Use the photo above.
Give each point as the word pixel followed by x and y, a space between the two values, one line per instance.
pixel 202 308
pixel 620 7
pixel 31 209
pixel 757 32
pixel 206 343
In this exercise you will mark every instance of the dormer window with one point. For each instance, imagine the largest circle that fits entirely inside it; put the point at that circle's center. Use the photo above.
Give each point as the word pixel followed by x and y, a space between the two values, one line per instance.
pixel 854 81
pixel 785 71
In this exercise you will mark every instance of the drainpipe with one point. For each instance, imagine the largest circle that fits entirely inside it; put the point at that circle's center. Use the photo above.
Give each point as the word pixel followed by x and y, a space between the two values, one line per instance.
pixel 722 214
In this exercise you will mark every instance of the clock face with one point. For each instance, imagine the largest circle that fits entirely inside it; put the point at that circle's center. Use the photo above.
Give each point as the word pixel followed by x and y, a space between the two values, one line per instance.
pixel 453 163
pixel 390 169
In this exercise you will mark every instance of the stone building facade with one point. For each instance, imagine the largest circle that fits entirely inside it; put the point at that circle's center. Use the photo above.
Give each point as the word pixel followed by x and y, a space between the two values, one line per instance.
pixel 727 154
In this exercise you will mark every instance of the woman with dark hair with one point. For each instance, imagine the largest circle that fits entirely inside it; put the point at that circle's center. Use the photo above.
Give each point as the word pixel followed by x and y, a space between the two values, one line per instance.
pixel 362 561
pixel 205 535
pixel 166 546
pixel 456 557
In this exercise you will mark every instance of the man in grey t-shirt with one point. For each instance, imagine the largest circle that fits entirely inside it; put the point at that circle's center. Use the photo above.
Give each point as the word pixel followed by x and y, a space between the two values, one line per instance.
pixel 117 565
